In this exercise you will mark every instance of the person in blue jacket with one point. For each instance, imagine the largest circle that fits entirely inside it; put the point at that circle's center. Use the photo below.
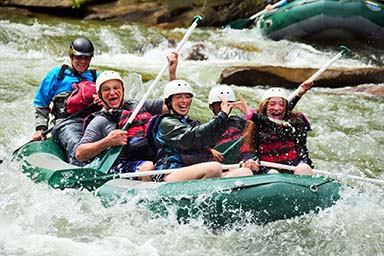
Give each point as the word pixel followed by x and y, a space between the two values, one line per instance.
pixel 54 89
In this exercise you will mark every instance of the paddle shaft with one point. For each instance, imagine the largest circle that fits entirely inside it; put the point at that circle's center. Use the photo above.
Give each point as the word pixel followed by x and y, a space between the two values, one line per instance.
pixel 233 145
pixel 319 172
pixel 322 69
pixel 105 164
pixel 141 103
pixel 325 173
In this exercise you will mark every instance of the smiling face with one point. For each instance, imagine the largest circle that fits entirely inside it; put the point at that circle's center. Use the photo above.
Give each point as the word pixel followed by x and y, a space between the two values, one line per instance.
pixel 112 93
pixel 276 108
pixel 80 62
pixel 181 103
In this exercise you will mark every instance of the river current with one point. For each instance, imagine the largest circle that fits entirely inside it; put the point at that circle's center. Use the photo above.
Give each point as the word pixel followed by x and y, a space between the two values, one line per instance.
pixel 347 138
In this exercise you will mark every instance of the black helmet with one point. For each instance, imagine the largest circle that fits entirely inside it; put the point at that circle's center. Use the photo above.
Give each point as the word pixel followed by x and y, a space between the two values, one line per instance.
pixel 81 46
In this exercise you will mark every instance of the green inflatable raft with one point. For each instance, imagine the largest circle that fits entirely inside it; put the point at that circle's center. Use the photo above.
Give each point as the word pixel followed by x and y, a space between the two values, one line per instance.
pixel 221 201
pixel 325 19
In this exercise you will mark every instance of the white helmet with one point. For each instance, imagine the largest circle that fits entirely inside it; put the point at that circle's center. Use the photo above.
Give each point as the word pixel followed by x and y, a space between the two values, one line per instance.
pixel 221 90
pixel 177 86
pixel 106 76
pixel 274 92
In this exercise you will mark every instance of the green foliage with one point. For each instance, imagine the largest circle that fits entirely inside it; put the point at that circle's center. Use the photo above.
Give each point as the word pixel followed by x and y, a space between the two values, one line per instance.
pixel 77 3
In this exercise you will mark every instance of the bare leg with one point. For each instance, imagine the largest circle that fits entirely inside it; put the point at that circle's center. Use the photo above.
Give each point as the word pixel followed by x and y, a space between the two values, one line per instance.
pixel 238 172
pixel 196 171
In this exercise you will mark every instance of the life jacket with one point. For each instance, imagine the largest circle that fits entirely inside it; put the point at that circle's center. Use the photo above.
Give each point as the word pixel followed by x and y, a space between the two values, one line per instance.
pixel 168 157
pixel 236 129
pixel 81 95
pixel 277 150
pixel 138 146
pixel 280 149
pixel 139 124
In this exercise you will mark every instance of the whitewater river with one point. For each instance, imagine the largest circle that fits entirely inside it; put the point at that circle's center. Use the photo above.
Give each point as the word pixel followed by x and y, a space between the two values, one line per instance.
pixel 347 137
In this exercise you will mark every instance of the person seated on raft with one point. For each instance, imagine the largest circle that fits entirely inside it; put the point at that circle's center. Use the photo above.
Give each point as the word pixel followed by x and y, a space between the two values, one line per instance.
pixel 55 89
pixel 237 125
pixel 101 132
pixel 183 143
pixel 281 140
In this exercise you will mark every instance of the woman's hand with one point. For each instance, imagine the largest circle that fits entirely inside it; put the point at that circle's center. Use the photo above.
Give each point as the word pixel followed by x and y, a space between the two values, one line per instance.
pixel 251 164
pixel 218 156
pixel 241 105
pixel 304 87
pixel 225 106
pixel 173 60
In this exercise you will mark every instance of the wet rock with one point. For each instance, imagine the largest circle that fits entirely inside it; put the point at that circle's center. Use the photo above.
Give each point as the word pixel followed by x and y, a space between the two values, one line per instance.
pixel 161 13
pixel 197 53
pixel 367 89
pixel 291 77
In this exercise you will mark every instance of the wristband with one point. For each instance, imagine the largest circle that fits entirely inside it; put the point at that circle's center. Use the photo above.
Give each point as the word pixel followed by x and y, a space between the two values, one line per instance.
pixel 251 111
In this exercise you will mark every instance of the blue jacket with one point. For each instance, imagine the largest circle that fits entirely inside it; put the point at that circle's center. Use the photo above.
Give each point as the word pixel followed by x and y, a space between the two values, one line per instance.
pixel 51 86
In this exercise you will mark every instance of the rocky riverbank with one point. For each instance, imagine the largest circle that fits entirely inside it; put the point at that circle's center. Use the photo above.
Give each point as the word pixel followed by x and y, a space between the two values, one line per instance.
pixel 161 13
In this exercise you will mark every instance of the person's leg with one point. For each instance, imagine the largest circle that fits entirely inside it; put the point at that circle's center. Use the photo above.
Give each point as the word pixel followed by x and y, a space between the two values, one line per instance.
pixel 68 135
pixel 146 166
pixel 303 169
pixel 238 172
pixel 196 171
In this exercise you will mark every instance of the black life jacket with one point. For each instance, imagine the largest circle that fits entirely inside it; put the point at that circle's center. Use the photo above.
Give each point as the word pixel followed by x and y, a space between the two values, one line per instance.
pixel 163 156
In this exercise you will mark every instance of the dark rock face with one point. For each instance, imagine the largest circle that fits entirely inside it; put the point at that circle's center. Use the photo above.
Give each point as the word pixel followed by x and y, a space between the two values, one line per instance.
pixel 162 13
pixel 292 77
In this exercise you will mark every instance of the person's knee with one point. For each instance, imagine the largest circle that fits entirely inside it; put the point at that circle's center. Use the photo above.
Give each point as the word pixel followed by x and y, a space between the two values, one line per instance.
pixel 303 169
pixel 214 169
pixel 147 166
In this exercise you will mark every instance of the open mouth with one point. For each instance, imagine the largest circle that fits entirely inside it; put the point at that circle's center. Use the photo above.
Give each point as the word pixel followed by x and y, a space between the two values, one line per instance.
pixel 276 115
pixel 113 101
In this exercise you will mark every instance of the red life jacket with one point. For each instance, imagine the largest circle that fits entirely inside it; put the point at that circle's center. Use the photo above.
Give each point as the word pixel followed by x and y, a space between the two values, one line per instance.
pixel 278 151
pixel 139 124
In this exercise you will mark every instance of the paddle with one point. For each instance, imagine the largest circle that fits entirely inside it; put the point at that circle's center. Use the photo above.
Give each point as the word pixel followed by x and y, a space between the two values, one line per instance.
pixel 344 50
pixel 244 23
pixel 105 163
pixel 318 172
pixel 155 172
pixel 46 132
pixel 325 173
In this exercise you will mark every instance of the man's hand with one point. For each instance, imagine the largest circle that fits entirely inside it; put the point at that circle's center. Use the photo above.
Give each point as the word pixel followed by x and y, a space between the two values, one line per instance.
pixel 117 138
pixel 38 135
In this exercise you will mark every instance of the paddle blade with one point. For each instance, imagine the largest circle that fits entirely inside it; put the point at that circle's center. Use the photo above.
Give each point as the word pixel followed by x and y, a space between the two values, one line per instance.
pixel 240 24
pixel 104 162
pixel 233 154
pixel 79 178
